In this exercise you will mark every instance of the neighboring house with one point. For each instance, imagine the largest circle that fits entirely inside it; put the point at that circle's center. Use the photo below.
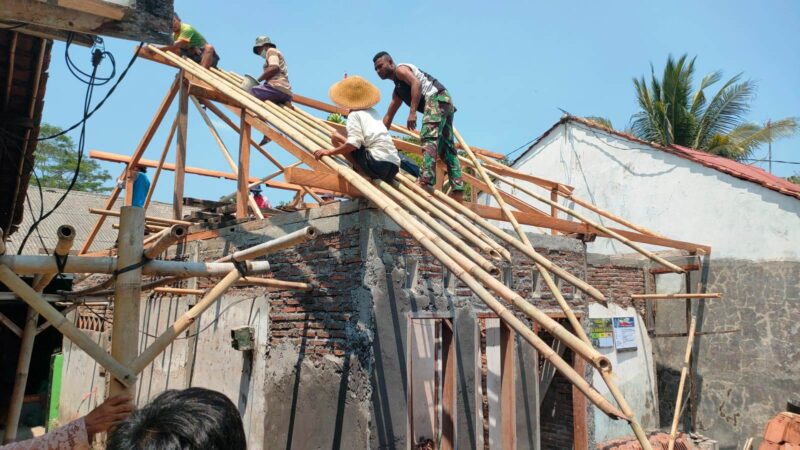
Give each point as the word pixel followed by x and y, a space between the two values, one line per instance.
pixel 73 211
pixel 750 218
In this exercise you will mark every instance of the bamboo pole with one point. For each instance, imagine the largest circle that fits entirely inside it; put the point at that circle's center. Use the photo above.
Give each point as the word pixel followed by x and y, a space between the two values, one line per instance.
pixel 184 322
pixel 441 231
pixel 224 149
pixel 261 181
pixel 12 327
pixel 277 284
pixel 393 211
pixel 161 163
pixel 172 235
pixel 675 296
pixel 613 217
pixel 427 207
pixel 157 220
pixel 272 246
pixel 439 209
pixel 180 149
pixel 684 370
pixel 589 222
pixel 528 251
pixel 33 264
pixel 66 236
pixel 127 292
pixel 70 331
pixel 179 291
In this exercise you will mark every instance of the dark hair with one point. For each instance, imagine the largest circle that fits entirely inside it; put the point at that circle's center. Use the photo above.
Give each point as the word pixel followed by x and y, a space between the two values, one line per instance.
pixel 380 55
pixel 176 16
pixel 189 419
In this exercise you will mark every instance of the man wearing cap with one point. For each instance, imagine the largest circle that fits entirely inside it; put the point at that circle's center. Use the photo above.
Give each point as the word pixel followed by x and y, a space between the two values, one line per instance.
pixel 367 145
pixel 261 202
pixel 190 43
pixel 424 93
pixel 275 87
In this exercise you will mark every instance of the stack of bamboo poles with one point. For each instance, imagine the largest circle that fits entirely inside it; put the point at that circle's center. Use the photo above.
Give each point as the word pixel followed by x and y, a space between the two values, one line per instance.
pixel 417 213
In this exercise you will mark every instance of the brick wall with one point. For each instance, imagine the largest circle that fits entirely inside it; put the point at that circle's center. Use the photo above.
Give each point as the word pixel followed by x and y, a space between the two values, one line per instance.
pixel 556 411
pixel 317 321
pixel 617 283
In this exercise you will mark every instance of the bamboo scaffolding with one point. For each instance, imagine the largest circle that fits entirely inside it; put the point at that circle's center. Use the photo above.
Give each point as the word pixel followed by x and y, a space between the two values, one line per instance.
pixel 34 299
pixel 140 149
pixel 589 222
pixel 128 290
pixel 410 224
pixel 684 370
pixel 33 264
pixel 249 281
pixel 66 236
pixel 183 323
pixel 224 149
pixel 164 241
pixel 675 296
pixel 179 291
pixel 156 220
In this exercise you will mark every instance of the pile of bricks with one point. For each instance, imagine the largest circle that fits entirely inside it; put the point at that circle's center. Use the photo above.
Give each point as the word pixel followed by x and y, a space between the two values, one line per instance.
pixel 658 440
pixel 782 433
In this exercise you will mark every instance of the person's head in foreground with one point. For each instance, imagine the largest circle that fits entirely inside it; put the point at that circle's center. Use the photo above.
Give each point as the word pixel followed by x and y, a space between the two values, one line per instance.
pixel 354 93
pixel 189 419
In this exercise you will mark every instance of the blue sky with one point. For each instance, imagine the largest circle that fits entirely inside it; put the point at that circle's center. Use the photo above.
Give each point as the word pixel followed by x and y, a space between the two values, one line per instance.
pixel 510 66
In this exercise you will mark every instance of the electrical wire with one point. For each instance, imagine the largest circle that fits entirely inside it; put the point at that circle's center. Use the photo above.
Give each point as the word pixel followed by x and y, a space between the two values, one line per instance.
pixel 99 53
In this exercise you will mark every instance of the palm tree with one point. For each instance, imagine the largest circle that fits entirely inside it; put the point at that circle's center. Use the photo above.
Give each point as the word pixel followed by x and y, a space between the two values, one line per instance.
pixel 672 113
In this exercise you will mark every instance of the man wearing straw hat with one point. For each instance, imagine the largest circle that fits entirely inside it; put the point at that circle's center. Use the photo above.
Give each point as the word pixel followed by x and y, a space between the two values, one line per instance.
pixel 424 93
pixel 367 145
pixel 190 43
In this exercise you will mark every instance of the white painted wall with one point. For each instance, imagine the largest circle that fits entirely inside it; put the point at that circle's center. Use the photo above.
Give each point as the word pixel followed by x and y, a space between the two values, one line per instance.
pixel 668 194
pixel 635 377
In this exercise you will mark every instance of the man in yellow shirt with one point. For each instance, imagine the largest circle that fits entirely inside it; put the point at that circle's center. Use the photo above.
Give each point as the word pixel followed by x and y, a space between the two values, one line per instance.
pixel 190 43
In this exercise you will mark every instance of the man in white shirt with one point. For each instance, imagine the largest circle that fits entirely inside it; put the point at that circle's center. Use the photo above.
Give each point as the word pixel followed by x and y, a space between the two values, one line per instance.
pixel 368 145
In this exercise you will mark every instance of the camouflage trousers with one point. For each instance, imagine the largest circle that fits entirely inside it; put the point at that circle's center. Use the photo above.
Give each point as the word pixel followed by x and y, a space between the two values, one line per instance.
pixel 436 136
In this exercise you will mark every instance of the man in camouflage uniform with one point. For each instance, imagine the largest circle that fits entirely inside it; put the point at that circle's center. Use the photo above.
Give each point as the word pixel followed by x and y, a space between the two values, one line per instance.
pixel 424 93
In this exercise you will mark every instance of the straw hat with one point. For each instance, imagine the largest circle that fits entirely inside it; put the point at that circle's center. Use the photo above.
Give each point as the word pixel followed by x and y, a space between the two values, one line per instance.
pixel 354 93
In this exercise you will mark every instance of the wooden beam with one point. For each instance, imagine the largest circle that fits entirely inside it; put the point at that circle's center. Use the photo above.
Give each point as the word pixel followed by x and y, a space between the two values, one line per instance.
pixel 324 180
pixel 316 104
pixel 137 154
pixel 96 8
pixel 512 200
pixel 242 193
pixel 12 53
pixel 508 390
pixel 580 428
pixel 168 222
pixel 675 296
pixel 115 157
pixel 492 213
pixel 201 90
pixel 180 150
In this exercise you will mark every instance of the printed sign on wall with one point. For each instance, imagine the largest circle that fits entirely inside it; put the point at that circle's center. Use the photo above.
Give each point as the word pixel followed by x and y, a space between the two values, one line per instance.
pixel 601 333
pixel 625 333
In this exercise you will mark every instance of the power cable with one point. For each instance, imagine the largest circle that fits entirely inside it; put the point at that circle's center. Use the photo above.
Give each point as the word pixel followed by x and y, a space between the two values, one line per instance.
pixel 91 80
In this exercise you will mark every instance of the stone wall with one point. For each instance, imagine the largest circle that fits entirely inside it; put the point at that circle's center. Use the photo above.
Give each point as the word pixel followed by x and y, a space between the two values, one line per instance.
pixel 744 377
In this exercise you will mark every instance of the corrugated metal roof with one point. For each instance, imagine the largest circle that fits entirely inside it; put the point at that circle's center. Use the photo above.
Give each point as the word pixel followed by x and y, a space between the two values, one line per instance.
pixel 74 211
pixel 725 165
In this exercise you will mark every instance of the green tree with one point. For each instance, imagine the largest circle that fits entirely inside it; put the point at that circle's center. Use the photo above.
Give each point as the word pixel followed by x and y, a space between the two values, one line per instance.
pixel 673 112
pixel 794 178
pixel 56 160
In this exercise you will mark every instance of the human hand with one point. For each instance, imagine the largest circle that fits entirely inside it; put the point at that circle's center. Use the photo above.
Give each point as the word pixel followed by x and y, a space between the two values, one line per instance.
pixel 109 413
pixel 320 153
pixel 412 121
